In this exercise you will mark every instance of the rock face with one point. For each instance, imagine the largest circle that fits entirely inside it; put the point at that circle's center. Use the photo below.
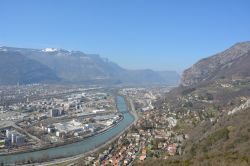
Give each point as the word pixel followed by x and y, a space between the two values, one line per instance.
pixel 240 108
pixel 79 68
pixel 229 64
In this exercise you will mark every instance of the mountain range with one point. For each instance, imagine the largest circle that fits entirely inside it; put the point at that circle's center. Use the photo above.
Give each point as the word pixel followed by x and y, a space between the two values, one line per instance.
pixel 50 65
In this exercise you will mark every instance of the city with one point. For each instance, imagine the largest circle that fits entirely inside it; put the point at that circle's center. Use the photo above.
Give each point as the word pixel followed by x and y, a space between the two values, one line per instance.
pixel 60 116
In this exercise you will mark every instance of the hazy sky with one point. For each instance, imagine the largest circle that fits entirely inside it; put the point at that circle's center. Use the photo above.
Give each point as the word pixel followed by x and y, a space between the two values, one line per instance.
pixel 157 34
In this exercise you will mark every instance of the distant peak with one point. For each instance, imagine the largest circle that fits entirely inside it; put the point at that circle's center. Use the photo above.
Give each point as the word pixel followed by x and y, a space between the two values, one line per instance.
pixel 50 50
pixel 3 49
pixel 241 45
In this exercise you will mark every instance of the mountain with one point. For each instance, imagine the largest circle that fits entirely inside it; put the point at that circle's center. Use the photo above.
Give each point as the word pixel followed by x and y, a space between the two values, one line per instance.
pixel 233 63
pixel 16 68
pixel 78 67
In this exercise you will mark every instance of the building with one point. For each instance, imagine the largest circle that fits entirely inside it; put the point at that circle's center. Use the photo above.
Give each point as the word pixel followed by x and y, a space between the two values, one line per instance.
pixel 19 140
pixel 51 128
pixel 2 144
pixel 142 157
pixel 14 138
pixel 60 112
pixel 53 113
pixel 42 116
pixel 172 149
pixel 56 112
pixel 8 134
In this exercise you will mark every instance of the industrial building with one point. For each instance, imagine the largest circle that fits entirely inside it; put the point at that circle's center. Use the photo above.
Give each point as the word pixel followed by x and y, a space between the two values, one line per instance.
pixel 14 138
pixel 56 112
pixel 72 126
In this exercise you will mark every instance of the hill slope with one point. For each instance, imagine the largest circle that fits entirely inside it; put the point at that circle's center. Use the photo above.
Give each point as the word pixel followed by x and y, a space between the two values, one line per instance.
pixel 226 143
pixel 229 64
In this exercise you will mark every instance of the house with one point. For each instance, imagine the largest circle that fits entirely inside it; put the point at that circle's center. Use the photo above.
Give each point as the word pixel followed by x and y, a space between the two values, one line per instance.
pixel 172 149
pixel 144 151
pixel 142 157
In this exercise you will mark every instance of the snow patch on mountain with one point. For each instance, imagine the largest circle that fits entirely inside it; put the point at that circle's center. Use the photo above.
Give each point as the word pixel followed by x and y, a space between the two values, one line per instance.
pixel 49 50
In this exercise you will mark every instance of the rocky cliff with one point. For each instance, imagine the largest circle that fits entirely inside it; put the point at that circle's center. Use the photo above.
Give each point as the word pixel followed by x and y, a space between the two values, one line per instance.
pixel 233 63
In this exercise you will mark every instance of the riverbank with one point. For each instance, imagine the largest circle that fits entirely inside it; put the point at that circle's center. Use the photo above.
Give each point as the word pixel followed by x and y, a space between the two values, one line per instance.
pixel 65 143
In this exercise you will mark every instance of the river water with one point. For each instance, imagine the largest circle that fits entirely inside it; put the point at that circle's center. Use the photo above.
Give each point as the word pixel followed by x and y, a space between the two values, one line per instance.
pixel 78 147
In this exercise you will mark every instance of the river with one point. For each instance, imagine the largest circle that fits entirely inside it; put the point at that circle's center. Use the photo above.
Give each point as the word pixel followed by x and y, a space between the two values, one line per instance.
pixel 78 147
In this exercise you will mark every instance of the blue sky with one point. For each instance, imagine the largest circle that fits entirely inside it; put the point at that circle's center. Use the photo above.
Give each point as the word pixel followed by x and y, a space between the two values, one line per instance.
pixel 156 34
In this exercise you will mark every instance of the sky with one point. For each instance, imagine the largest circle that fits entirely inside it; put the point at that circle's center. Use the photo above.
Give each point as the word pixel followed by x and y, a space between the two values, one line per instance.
pixel 136 34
